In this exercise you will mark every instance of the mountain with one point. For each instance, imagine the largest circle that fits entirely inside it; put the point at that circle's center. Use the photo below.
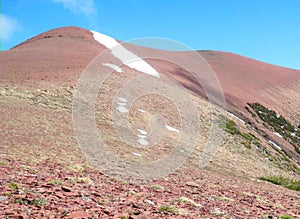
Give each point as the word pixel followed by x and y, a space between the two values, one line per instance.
pixel 48 78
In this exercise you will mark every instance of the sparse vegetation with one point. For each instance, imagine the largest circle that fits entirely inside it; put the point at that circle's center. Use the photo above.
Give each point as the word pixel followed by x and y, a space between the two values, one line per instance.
pixel 39 202
pixel 231 127
pixel 187 200
pixel 55 182
pixel 228 125
pixel 101 202
pixel 222 198
pixel 278 124
pixel 13 185
pixel 158 187
pixel 282 181
pixel 286 216
pixel 169 209
pixel 25 201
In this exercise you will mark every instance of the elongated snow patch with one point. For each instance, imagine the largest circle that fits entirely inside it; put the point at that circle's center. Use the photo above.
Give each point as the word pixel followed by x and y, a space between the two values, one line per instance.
pixel 172 129
pixel 275 145
pixel 122 105
pixel 141 110
pixel 143 132
pixel 236 117
pixel 125 56
pixel 113 66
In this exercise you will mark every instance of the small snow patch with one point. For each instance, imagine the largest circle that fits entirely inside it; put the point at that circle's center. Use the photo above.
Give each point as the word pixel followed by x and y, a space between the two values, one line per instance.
pixel 122 99
pixel 172 129
pixel 275 145
pixel 149 202
pixel 136 154
pixel 113 66
pixel 142 111
pixel 143 132
pixel 122 105
pixel 143 141
pixel 236 117
pixel 277 134
pixel 122 109
pixel 142 136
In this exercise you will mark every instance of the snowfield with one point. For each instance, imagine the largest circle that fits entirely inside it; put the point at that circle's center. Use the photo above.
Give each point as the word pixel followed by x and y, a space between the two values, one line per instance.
pixel 125 56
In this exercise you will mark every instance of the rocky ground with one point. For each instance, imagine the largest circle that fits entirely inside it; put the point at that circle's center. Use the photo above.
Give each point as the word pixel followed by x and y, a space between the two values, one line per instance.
pixel 52 190
pixel 45 175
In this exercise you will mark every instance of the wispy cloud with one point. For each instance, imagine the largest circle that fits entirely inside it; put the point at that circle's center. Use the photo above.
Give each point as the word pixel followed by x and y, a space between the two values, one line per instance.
pixel 85 7
pixel 9 26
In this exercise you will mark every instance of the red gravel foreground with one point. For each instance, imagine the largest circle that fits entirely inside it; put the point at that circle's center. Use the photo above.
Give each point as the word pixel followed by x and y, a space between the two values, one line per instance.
pixel 50 190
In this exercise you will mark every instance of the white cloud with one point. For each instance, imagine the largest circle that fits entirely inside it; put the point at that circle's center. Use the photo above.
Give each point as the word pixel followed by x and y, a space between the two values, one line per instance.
pixel 85 7
pixel 9 26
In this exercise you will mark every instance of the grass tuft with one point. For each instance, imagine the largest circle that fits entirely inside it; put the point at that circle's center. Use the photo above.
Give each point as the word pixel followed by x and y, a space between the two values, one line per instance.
pixel 55 182
pixel 286 216
pixel 282 181
pixel 169 209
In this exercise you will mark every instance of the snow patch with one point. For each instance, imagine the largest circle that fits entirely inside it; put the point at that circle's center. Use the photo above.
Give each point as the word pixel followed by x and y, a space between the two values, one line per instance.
pixel 143 141
pixel 236 117
pixel 143 132
pixel 275 145
pixel 276 133
pixel 113 66
pixel 142 111
pixel 172 129
pixel 122 99
pixel 122 105
pixel 124 55
pixel 142 136
pixel 136 154
pixel 122 109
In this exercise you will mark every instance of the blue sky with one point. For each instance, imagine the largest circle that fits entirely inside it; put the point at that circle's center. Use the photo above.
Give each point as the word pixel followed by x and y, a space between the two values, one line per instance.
pixel 267 30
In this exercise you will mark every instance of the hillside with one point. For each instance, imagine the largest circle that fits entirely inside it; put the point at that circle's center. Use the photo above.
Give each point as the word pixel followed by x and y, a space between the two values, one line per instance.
pixel 62 89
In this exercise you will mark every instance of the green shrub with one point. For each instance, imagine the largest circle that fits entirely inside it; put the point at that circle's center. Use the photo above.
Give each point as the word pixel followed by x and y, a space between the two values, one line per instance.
pixel 168 209
pixel 248 136
pixel 282 181
pixel 274 122
pixel 228 125
pixel 285 216
pixel 55 182
pixel 12 185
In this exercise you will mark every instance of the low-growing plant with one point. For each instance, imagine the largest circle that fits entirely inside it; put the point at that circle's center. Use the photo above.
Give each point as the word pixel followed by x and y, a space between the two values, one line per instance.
pixel 282 181
pixel 39 202
pixel 248 136
pixel 158 187
pixel 13 185
pixel 168 209
pixel 277 123
pixel 286 216
pixel 231 127
pixel 187 200
pixel 55 182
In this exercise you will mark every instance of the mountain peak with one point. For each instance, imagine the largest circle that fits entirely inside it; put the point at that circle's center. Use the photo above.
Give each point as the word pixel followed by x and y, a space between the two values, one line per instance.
pixel 62 32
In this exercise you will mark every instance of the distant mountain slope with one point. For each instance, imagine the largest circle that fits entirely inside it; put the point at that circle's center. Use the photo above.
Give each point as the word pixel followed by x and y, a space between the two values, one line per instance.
pixel 59 56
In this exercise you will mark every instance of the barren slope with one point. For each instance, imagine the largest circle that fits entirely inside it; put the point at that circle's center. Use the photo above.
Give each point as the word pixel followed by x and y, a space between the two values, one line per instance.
pixel 44 173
